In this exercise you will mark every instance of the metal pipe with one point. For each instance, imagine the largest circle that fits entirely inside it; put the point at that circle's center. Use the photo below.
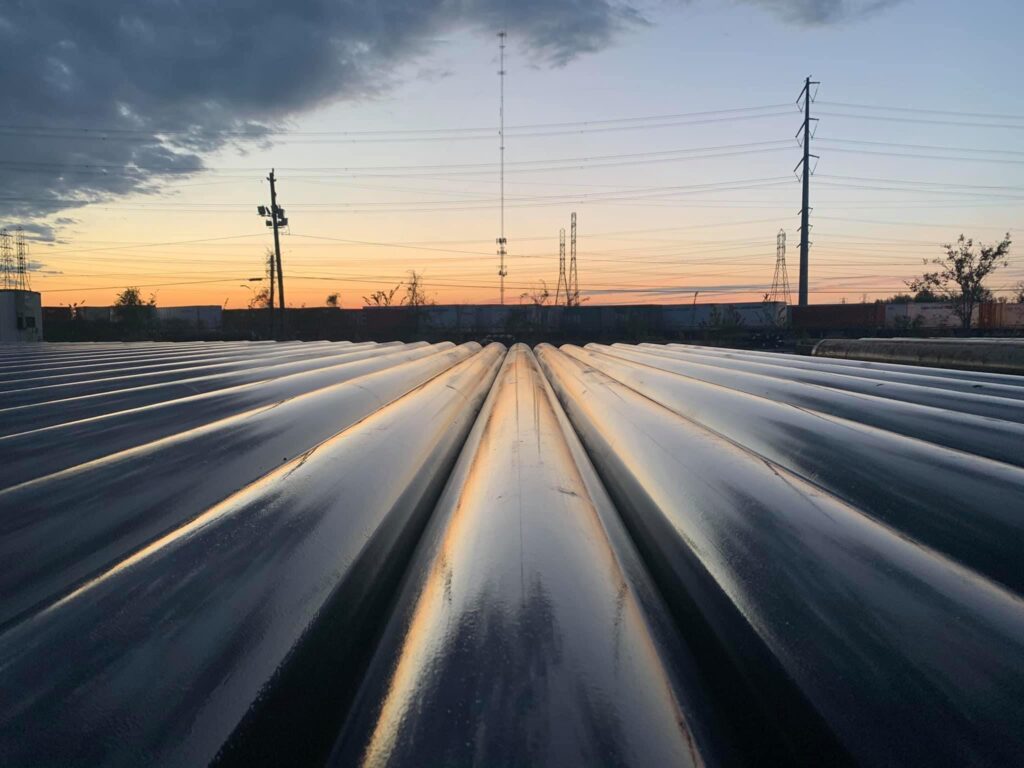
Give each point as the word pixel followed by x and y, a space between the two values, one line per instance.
pixel 919 370
pixel 66 364
pixel 85 351
pixel 63 528
pixel 797 368
pixel 963 505
pixel 25 378
pixel 36 416
pixel 996 407
pixel 44 451
pixel 991 438
pixel 995 356
pixel 241 635
pixel 59 391
pixel 528 632
pixel 832 622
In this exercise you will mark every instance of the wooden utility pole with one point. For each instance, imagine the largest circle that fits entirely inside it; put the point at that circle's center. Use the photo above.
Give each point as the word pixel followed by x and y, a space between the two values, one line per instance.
pixel 277 217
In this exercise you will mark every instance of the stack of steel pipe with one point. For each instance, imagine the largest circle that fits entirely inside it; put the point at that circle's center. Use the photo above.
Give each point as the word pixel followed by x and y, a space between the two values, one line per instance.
pixel 1000 355
pixel 413 554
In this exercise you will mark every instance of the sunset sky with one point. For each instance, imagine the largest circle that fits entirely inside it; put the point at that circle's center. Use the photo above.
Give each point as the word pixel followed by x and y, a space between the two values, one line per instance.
pixel 667 127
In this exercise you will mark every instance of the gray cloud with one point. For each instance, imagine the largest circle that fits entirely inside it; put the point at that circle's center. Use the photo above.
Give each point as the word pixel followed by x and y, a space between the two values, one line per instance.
pixel 40 267
pixel 815 12
pixel 168 82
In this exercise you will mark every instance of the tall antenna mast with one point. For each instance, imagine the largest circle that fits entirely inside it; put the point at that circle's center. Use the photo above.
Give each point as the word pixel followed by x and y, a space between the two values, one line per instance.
pixel 501 149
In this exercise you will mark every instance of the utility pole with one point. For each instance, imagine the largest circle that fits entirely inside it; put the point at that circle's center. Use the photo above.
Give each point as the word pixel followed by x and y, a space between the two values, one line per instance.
pixel 805 207
pixel 574 280
pixel 501 151
pixel 563 285
pixel 270 294
pixel 275 218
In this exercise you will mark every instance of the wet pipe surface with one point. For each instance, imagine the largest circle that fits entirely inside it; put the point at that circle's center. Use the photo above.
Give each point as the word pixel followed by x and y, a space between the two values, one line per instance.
pixel 417 555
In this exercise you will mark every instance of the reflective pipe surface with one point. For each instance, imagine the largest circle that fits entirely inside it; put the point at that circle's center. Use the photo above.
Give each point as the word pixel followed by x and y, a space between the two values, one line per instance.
pixel 16 377
pixel 992 406
pixel 963 505
pixel 865 365
pixel 44 451
pixel 35 416
pixel 58 530
pixel 980 435
pixel 241 635
pixel 857 642
pixel 54 365
pixel 41 393
pixel 70 353
pixel 527 632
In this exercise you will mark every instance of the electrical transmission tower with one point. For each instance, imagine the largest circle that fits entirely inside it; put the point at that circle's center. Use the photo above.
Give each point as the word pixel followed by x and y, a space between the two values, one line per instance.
pixel 805 207
pixel 574 279
pixel 21 257
pixel 501 151
pixel 562 291
pixel 8 277
pixel 780 283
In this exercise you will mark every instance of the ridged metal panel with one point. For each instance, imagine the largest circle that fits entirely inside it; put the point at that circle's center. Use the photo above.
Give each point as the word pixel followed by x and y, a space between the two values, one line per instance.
pixel 411 554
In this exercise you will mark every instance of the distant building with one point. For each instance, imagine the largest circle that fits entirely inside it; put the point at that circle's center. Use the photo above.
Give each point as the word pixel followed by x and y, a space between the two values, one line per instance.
pixel 21 316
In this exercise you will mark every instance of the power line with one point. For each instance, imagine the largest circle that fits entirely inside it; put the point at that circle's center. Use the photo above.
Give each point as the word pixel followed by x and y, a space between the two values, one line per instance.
pixel 919 110
pixel 266 130
pixel 154 285
pixel 922 121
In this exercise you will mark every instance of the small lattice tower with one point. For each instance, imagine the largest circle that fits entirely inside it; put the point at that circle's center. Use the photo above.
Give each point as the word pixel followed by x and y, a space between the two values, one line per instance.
pixel 8 271
pixel 780 282
pixel 21 261
pixel 562 291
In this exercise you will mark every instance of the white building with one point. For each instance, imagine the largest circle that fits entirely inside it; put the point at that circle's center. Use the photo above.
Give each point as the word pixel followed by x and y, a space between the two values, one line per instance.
pixel 21 316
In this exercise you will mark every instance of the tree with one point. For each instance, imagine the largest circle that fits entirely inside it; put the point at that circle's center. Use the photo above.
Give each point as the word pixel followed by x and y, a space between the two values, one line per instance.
pixel 415 296
pixel 260 299
pixel 381 298
pixel 332 300
pixel 135 315
pixel 1018 293
pixel 921 297
pixel 538 297
pixel 961 274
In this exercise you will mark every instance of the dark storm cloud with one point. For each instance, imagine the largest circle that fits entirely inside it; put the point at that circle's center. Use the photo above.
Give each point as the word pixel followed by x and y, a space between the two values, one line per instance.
pixel 168 81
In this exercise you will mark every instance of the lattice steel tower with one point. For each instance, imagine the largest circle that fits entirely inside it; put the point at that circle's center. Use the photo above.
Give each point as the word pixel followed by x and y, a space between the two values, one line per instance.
pixel 21 261
pixel 574 279
pixel 780 283
pixel 562 291
pixel 8 272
